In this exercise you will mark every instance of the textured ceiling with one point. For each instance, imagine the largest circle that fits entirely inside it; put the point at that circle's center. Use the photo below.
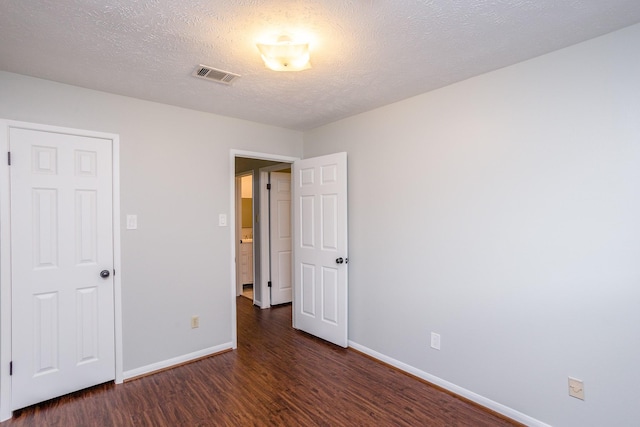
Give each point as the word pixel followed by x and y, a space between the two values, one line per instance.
pixel 365 53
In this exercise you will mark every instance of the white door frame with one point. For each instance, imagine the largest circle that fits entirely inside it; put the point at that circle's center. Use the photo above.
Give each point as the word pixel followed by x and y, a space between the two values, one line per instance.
pixel 232 215
pixel 5 252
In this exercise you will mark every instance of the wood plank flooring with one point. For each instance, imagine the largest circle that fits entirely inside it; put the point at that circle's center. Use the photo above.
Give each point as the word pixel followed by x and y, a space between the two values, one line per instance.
pixel 276 377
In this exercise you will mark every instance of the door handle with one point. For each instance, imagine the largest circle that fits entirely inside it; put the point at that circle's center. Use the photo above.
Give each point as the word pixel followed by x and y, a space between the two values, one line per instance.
pixel 339 260
pixel 104 274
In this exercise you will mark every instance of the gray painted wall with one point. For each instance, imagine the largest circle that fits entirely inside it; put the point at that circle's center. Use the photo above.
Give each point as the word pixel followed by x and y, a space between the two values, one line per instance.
pixel 175 172
pixel 521 246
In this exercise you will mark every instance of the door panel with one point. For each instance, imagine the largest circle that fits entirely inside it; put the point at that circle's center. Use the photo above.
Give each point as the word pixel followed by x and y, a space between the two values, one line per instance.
pixel 320 241
pixel 87 324
pixel 280 226
pixel 86 227
pixel 61 239
pixel 307 227
pixel 330 295
pixel 329 222
pixel 45 230
pixel 308 290
pixel 46 324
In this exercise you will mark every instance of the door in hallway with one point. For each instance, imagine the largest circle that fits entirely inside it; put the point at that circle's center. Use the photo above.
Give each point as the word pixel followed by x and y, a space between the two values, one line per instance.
pixel 280 226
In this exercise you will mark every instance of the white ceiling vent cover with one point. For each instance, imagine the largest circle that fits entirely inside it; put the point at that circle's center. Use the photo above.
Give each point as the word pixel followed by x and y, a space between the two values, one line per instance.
pixel 214 75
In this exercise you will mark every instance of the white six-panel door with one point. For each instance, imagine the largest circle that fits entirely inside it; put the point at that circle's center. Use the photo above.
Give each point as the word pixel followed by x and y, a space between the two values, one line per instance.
pixel 320 247
pixel 280 226
pixel 61 240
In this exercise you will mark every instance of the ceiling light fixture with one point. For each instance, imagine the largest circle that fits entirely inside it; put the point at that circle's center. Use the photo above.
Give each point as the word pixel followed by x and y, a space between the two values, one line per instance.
pixel 285 54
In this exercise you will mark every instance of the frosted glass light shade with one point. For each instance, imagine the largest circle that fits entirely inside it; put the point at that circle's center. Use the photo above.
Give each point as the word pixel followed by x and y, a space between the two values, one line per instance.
pixel 285 55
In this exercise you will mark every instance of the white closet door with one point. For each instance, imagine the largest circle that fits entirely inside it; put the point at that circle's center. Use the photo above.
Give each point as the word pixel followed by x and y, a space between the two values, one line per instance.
pixel 61 241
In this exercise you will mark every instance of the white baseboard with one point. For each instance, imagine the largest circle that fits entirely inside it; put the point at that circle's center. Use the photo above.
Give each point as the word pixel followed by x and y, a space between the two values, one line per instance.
pixel 480 400
pixel 144 370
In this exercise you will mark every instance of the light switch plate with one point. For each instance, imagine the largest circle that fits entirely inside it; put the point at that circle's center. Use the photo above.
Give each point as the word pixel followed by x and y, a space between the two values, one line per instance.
pixel 132 222
pixel 435 341
pixel 222 220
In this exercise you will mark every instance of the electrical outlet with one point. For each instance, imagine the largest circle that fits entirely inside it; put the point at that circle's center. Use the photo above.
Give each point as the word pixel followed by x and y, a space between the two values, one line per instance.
pixel 195 322
pixel 576 388
pixel 435 340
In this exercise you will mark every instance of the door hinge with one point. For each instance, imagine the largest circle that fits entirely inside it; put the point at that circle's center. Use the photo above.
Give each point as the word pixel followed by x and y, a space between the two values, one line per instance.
pixel 9 158
pixel 11 368
pixel 268 186
pixel 269 283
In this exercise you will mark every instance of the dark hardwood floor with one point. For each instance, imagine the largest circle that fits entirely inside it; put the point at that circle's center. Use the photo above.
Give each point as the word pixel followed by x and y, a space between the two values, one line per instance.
pixel 277 376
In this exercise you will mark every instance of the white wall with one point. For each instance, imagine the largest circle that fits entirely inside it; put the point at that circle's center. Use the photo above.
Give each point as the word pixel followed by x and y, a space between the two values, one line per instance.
pixel 503 212
pixel 175 177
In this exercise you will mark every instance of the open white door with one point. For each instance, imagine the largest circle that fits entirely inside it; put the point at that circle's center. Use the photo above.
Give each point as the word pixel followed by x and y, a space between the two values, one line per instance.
pixel 320 247
pixel 62 263
pixel 280 226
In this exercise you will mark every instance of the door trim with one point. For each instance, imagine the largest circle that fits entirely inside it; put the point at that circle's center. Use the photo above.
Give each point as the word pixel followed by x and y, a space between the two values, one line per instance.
pixel 5 252
pixel 233 153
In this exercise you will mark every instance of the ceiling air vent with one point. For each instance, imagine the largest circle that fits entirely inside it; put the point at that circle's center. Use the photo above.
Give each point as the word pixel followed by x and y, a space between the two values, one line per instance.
pixel 215 75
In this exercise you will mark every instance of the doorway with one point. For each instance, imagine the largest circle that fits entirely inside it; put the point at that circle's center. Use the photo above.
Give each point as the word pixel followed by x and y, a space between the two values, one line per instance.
pixel 253 228
pixel 320 254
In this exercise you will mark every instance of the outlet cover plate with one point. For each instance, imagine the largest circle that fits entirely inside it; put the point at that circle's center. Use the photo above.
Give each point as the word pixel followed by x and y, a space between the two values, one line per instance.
pixel 195 322
pixel 576 388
